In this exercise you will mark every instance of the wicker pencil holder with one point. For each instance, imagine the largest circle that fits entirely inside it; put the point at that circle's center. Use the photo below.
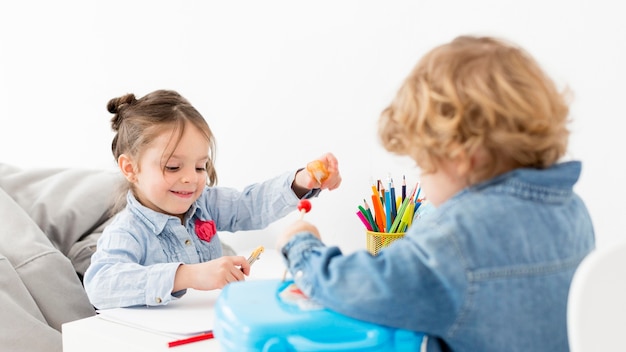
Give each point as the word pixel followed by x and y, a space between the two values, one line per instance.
pixel 378 240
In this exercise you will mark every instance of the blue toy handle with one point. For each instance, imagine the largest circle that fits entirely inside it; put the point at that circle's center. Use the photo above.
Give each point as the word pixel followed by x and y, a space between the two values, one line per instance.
pixel 397 341
pixel 299 343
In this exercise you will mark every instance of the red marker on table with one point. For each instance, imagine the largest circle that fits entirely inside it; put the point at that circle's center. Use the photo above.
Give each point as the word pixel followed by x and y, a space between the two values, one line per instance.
pixel 204 336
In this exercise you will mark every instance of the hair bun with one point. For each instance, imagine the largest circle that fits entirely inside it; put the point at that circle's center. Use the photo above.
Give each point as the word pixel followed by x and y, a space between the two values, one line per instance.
pixel 117 105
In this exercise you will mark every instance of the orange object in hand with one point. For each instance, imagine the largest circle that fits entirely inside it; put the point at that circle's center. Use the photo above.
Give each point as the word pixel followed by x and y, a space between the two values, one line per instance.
pixel 318 171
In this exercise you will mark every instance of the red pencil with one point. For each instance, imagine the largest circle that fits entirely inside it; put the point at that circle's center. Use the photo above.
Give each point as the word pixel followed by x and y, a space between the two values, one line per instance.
pixel 204 336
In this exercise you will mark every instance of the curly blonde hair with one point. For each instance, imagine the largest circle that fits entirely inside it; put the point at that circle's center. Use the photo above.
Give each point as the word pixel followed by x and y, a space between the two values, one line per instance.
pixel 477 94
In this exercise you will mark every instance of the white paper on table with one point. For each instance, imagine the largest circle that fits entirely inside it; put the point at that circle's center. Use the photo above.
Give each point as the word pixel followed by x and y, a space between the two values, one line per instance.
pixel 193 313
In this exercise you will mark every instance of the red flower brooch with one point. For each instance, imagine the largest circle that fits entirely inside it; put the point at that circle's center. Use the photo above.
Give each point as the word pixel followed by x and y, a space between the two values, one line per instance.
pixel 205 229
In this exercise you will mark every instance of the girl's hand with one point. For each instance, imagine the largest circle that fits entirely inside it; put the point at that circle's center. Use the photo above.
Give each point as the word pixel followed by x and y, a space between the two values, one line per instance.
pixel 321 173
pixel 211 275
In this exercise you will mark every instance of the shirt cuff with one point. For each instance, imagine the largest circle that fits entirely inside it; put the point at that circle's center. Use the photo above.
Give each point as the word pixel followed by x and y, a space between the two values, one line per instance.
pixel 312 193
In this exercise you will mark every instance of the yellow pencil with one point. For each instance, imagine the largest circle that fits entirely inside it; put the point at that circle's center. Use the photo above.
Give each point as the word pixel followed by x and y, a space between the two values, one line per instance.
pixel 255 255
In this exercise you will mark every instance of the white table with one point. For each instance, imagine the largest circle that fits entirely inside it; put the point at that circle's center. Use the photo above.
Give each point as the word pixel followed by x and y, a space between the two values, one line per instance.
pixel 99 334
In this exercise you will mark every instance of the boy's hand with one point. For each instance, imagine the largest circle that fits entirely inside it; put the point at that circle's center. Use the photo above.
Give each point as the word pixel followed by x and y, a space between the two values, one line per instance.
pixel 293 229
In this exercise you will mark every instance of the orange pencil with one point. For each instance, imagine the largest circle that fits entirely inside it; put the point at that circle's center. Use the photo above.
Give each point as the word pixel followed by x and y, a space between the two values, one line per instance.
pixel 378 211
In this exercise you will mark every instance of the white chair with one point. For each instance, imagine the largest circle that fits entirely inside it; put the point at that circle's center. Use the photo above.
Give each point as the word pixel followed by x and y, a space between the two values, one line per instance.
pixel 596 308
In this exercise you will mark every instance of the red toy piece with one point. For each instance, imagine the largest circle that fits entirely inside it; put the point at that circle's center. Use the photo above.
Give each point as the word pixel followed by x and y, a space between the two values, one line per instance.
pixel 304 207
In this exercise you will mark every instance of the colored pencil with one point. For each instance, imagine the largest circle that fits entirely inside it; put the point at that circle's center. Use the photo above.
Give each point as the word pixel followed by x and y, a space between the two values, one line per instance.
pixel 378 212
pixel 370 217
pixel 204 336
pixel 361 216
pixel 390 214
pixel 403 188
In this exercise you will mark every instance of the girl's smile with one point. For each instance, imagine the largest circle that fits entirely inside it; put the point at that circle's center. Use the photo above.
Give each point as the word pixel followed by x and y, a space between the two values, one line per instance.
pixel 170 176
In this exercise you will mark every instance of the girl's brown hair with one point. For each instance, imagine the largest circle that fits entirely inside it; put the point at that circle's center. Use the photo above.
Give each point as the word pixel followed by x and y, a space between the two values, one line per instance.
pixel 477 94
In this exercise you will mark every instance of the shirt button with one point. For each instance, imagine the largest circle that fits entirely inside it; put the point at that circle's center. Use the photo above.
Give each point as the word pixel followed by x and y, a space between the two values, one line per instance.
pixel 299 274
pixel 188 242
pixel 158 300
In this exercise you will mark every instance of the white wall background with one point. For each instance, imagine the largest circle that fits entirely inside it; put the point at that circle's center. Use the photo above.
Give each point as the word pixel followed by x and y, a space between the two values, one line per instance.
pixel 281 82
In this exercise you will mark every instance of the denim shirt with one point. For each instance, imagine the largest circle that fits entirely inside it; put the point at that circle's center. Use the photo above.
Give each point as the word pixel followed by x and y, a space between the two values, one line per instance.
pixel 489 270
pixel 139 252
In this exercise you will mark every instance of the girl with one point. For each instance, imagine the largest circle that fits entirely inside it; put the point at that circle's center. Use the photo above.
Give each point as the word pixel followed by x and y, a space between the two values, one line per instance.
pixel 164 240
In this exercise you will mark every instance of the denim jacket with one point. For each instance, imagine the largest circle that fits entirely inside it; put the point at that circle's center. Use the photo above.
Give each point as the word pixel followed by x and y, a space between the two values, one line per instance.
pixel 139 252
pixel 489 270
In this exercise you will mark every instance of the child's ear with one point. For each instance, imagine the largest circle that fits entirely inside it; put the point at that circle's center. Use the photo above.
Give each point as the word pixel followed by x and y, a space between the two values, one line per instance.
pixel 127 167
pixel 464 163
